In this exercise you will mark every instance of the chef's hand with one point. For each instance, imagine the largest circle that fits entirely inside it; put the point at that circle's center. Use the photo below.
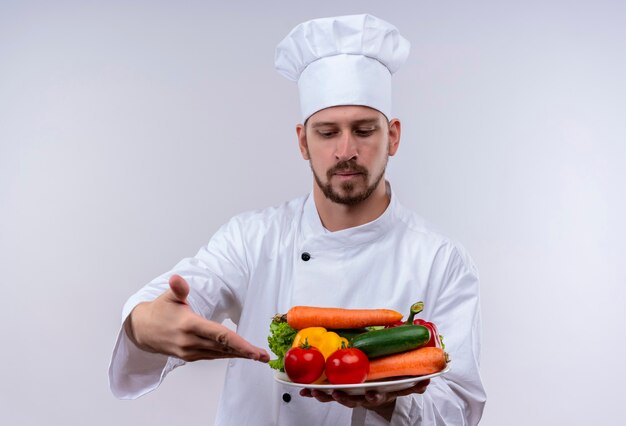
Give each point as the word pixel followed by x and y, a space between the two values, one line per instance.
pixel 167 325
pixel 382 402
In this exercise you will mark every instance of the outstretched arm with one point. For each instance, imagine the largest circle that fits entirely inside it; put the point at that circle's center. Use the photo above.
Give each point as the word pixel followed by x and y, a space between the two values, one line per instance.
pixel 168 326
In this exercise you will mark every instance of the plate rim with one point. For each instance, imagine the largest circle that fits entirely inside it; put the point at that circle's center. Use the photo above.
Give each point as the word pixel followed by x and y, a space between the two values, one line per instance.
pixel 364 385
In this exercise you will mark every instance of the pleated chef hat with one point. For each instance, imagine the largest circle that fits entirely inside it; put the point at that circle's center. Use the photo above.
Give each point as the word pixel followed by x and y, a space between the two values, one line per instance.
pixel 344 60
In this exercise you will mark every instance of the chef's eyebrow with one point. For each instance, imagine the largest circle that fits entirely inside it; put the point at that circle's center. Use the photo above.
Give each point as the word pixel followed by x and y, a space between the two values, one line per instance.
pixel 364 121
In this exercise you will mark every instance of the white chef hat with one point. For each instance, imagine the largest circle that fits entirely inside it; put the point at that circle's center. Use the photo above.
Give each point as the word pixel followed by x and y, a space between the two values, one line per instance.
pixel 344 60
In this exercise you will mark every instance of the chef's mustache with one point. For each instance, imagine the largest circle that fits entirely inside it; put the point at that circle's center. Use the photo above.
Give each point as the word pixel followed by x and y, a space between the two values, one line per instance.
pixel 346 166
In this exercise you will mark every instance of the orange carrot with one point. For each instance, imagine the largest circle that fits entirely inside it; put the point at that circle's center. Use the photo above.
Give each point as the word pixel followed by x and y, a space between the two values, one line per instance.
pixel 417 362
pixel 300 317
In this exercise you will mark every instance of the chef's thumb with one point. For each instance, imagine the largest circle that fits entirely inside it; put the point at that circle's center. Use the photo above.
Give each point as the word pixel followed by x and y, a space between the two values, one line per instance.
pixel 179 287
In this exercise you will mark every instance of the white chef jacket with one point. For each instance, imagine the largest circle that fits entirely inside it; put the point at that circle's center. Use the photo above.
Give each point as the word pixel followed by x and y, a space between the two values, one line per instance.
pixel 253 268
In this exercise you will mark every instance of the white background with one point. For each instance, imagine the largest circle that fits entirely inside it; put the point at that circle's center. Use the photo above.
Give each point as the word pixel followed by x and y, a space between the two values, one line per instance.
pixel 129 131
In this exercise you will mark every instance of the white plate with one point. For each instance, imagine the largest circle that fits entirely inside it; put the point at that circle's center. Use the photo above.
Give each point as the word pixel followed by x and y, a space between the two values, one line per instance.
pixel 361 388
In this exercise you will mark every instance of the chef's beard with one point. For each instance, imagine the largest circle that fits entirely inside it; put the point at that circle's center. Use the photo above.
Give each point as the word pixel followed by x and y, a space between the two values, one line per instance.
pixel 348 197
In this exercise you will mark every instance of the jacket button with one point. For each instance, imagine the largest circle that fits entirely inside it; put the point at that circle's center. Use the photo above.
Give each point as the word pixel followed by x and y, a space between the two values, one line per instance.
pixel 286 397
pixel 305 256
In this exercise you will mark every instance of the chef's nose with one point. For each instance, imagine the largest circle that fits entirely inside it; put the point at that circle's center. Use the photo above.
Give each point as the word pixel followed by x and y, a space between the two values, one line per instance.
pixel 346 147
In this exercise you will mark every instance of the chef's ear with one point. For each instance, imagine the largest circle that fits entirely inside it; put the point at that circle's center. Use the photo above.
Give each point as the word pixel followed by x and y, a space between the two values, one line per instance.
pixel 302 142
pixel 394 136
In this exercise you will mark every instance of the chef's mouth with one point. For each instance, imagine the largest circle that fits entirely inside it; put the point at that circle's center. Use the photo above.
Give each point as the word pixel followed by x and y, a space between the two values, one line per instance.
pixel 347 176
pixel 346 170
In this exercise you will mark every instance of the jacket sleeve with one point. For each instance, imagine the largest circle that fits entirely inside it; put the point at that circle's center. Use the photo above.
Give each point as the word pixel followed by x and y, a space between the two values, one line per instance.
pixel 457 397
pixel 217 277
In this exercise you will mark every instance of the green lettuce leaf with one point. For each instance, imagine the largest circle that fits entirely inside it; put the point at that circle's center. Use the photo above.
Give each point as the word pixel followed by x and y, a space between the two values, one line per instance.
pixel 280 340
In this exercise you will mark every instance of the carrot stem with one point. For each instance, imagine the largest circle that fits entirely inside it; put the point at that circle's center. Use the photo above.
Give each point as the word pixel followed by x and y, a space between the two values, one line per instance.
pixel 279 318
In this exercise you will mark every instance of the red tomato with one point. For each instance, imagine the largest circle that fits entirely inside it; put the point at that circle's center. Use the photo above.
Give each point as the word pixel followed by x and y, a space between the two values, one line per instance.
pixel 304 365
pixel 346 366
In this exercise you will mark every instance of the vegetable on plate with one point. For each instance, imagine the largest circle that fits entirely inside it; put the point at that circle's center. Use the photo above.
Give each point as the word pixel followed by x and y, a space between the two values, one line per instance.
pixel 393 340
pixel 304 363
pixel 300 317
pixel 435 337
pixel 418 362
pixel 326 341
pixel 347 366
pixel 436 340
pixel 280 341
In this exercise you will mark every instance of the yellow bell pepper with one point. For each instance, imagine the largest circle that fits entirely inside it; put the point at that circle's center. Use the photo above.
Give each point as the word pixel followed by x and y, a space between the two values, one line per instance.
pixel 326 341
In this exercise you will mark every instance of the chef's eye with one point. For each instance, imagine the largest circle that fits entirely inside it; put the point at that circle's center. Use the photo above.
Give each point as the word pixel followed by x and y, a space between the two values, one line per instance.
pixel 364 132
pixel 327 133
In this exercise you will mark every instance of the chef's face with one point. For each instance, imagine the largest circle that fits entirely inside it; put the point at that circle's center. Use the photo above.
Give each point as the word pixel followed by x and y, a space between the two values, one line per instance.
pixel 347 148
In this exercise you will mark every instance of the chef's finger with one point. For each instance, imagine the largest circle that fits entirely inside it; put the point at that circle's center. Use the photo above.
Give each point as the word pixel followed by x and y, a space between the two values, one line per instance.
pixel 420 387
pixel 193 343
pixel 347 400
pixel 191 356
pixel 179 289
pixel 376 398
pixel 321 396
pixel 228 340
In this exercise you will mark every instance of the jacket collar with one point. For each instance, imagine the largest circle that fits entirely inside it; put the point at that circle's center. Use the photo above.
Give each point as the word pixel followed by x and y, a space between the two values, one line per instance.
pixel 316 236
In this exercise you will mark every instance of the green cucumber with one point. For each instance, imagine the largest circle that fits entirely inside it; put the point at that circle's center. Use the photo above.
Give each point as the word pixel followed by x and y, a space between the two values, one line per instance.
pixel 392 340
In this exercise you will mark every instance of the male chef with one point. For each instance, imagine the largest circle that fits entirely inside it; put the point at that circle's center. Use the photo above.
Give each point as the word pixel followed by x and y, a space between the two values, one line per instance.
pixel 349 243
